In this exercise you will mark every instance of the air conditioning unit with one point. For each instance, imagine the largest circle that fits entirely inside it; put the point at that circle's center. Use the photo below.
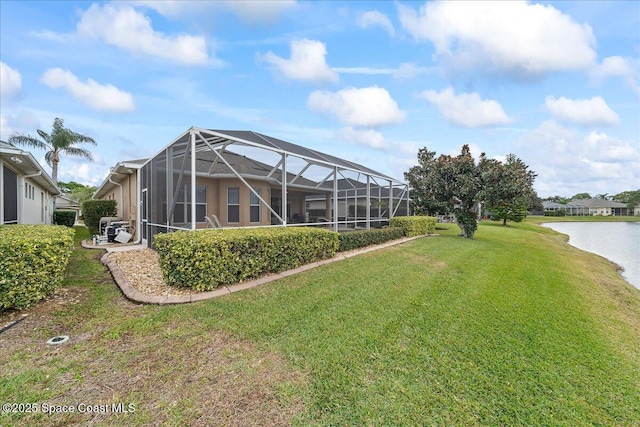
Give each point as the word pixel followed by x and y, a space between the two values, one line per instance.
pixel 106 222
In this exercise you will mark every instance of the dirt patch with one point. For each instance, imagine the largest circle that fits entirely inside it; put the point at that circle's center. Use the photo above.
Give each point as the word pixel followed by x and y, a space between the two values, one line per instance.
pixel 168 375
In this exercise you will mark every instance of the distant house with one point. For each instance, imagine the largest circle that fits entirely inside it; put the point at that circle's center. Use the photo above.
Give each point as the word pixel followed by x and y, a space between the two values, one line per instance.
pixel 585 207
pixel 66 203
pixel 26 191
pixel 219 178
pixel 121 185
pixel 604 207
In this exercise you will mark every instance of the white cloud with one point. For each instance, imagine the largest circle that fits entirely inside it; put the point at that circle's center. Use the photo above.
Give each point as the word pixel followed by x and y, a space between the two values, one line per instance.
pixel 98 97
pixel 466 109
pixel 10 80
pixel 260 12
pixel 408 71
pixel 568 162
pixel 365 107
pixel 608 149
pixel 307 62
pixel 369 71
pixel 366 137
pixel 585 112
pixel 617 66
pixel 251 12
pixel 5 129
pixel 373 18
pixel 514 37
pixel 131 31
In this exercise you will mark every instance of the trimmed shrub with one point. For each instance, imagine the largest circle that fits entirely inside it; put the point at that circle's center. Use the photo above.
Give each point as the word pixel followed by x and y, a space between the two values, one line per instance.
pixel 32 262
pixel 415 225
pixel 93 210
pixel 62 217
pixel 361 238
pixel 204 259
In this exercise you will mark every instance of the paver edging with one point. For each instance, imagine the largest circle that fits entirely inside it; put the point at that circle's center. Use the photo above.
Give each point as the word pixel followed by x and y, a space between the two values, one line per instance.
pixel 134 295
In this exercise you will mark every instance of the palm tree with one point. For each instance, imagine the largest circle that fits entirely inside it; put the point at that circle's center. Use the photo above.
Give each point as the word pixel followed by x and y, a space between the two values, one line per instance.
pixel 60 141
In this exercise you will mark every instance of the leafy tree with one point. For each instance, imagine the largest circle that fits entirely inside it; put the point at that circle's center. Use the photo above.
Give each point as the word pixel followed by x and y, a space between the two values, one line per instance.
pixel 78 192
pixel 423 179
pixel 60 141
pixel 630 198
pixel 557 199
pixel 457 184
pixel 507 188
pixel 534 204
pixel 447 184
pixel 581 196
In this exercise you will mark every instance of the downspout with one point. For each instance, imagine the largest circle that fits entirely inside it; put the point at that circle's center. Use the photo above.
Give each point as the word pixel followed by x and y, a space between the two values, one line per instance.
pixel 121 193
pixel 138 208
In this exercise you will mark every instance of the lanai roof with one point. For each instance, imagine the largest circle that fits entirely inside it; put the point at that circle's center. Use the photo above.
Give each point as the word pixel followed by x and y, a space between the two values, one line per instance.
pixel 217 137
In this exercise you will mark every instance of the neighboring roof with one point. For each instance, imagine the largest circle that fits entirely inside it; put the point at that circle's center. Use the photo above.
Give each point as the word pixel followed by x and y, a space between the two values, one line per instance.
pixel 552 205
pixel 66 202
pixel 118 173
pixel 25 164
pixel 597 203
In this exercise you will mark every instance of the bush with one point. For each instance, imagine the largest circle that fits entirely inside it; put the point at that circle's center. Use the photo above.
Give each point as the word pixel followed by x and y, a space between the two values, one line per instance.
pixel 359 239
pixel 204 259
pixel 32 262
pixel 62 217
pixel 414 225
pixel 93 210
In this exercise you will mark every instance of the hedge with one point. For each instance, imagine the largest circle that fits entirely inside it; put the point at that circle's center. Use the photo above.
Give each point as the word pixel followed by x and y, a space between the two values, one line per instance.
pixel 204 259
pixel 415 225
pixel 93 210
pixel 62 217
pixel 359 239
pixel 32 262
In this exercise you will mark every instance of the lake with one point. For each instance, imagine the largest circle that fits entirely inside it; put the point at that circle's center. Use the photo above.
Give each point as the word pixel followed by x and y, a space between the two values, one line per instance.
pixel 617 241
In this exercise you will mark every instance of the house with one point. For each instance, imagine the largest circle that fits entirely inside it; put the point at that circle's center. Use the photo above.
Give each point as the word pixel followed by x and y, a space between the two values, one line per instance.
pixel 207 178
pixel 26 191
pixel 585 207
pixel 603 207
pixel 121 185
pixel 66 203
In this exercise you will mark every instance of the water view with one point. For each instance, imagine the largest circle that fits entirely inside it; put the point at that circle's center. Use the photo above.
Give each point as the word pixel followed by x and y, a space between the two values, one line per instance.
pixel 616 241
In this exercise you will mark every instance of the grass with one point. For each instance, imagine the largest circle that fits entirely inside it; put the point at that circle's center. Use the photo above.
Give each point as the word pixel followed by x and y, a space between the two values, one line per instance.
pixel 512 328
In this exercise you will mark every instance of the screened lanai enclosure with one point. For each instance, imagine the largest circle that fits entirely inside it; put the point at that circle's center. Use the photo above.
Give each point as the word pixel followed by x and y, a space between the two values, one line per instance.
pixel 217 178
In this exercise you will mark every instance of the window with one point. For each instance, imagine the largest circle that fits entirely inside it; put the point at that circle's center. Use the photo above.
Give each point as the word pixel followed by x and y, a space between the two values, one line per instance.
pixel 233 204
pixel 10 196
pixel 29 191
pixel 182 211
pixel 254 207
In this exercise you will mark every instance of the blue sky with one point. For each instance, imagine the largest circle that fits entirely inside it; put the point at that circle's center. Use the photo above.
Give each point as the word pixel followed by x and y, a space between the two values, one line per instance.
pixel 557 84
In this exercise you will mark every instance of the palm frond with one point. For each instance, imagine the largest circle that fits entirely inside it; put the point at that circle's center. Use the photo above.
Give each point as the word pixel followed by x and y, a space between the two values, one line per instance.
pixel 48 157
pixel 77 152
pixel 45 136
pixel 28 141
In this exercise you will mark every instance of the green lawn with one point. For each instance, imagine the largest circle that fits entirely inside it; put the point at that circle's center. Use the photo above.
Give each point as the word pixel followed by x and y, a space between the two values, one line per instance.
pixel 514 327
